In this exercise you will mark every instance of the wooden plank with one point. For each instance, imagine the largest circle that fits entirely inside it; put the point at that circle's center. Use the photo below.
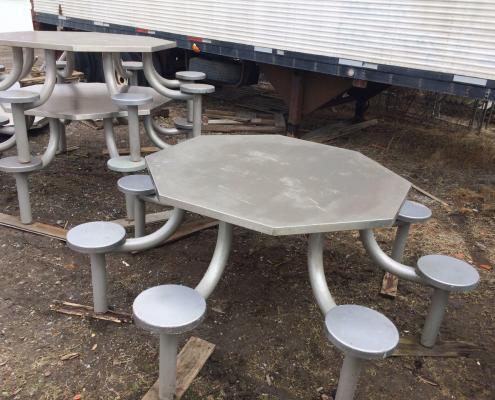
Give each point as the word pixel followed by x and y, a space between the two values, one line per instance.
pixel 410 347
pixel 389 285
pixel 339 129
pixel 190 360
pixel 242 128
pixel 84 311
pixel 189 228
pixel 431 196
pixel 37 228
pixel 124 151
pixel 150 219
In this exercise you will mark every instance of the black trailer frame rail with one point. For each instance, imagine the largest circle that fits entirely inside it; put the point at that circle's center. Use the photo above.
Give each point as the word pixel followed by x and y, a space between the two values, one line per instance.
pixel 475 88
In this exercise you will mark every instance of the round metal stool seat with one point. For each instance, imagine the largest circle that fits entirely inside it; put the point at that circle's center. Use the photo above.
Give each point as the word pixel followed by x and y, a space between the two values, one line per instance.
pixel 361 332
pixel 183 124
pixel 169 309
pixel 136 184
pixel 18 96
pixel 96 237
pixel 132 65
pixel 4 120
pixel 125 164
pixel 448 273
pixel 13 165
pixel 190 75
pixel 131 99
pixel 197 88
pixel 413 212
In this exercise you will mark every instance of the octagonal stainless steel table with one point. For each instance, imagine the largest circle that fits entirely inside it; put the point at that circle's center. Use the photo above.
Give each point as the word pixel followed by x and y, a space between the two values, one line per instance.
pixel 278 186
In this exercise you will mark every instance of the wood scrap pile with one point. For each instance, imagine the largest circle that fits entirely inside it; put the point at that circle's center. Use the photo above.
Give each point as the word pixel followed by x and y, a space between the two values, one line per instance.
pixel 224 121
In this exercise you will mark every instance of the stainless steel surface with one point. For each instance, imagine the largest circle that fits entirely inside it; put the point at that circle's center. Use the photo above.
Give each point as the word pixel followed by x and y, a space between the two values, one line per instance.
pixel 11 164
pixel 197 88
pixel 16 71
pixel 361 332
pixel 316 271
pixel 277 185
pixel 99 282
pixel 82 101
pixel 349 378
pixel 18 96
pixel 448 273
pixel 21 181
pixel 96 237
pixel 132 65
pixel 155 238
pixel 168 367
pixel 124 164
pixel 21 133
pixel 161 85
pixel 218 262
pixel 132 99
pixel 170 309
pixel 85 41
pixel 153 129
pixel 183 124
pixel 384 261
pixel 400 241
pixel 4 120
pixel 434 318
pixel 414 212
pixel 138 184
pixel 115 81
pixel 190 76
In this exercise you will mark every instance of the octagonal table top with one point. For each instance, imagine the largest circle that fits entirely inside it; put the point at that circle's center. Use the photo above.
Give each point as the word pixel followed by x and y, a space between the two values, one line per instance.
pixel 277 185
pixel 83 101
pixel 85 41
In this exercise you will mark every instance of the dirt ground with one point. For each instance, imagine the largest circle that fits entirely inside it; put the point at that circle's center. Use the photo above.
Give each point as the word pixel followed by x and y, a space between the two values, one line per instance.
pixel 262 317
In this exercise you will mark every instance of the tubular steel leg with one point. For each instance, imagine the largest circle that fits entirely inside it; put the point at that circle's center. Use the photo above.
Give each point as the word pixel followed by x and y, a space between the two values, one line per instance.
pixel 349 377
pixel 168 367
pixel 99 282
pixel 139 217
pixel 133 81
pixel 134 142
pixel 129 206
pixel 317 273
pixel 434 318
pixel 400 241
pixel 197 117
pixel 62 144
pixel 21 134
pixel 190 111
pixel 21 181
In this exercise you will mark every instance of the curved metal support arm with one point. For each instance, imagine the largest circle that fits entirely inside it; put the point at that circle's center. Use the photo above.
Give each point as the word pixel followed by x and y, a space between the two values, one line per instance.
pixel 7 144
pixel 17 68
pixel 218 262
pixel 149 127
pixel 153 79
pixel 110 138
pixel 109 71
pixel 384 261
pixel 119 68
pixel 53 141
pixel 69 66
pixel 317 273
pixel 50 80
pixel 169 83
pixel 28 62
pixel 155 238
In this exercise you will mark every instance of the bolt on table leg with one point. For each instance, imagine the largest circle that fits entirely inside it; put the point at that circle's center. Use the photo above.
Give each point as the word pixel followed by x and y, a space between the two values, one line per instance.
pixel 21 180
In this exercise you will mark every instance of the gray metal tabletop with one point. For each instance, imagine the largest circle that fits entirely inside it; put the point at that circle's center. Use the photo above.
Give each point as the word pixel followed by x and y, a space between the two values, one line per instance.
pixel 277 185
pixel 85 41
pixel 83 101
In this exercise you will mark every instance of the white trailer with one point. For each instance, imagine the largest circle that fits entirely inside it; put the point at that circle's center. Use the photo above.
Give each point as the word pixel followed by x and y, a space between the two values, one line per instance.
pixel 304 46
